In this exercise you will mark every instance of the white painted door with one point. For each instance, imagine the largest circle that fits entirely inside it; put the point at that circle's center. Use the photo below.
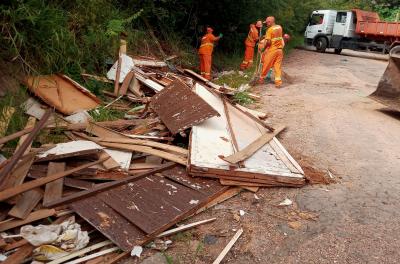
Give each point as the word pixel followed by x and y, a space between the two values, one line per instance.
pixel 340 24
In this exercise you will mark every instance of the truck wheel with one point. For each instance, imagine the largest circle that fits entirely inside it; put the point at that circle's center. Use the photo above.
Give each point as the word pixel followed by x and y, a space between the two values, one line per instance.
pixel 395 52
pixel 338 51
pixel 321 44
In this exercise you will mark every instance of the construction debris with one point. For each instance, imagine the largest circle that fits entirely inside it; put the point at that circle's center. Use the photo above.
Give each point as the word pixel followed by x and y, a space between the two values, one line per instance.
pixel 184 149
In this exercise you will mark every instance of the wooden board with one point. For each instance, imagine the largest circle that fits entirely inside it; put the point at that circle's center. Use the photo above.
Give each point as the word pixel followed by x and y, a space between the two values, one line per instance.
pixel 53 190
pixel 26 203
pixel 250 149
pixel 10 192
pixel 18 174
pixel 30 124
pixel 20 255
pixel 180 108
pixel 61 92
pixel 34 216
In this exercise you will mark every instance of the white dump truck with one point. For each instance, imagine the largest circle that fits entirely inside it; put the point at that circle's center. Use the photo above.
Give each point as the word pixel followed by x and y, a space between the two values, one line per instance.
pixel 355 29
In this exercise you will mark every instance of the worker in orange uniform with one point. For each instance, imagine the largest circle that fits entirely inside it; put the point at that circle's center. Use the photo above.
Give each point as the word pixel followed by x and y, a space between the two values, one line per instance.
pixel 205 52
pixel 273 42
pixel 250 43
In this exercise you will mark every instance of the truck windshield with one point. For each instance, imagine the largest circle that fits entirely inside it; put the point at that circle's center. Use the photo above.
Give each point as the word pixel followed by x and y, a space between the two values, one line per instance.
pixel 316 19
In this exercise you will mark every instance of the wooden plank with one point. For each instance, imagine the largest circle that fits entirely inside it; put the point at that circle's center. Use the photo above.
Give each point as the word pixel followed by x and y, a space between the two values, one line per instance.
pixel 54 189
pixel 26 203
pixel 110 163
pixel 15 135
pixel 78 184
pixel 248 151
pixel 134 87
pixel 106 186
pixel 18 174
pixel 94 255
pixel 34 216
pixel 17 155
pixel 80 252
pixel 149 143
pixel 228 247
pixel 231 192
pixel 20 255
pixel 30 124
pixel 8 193
pixel 102 259
pixel 103 132
pixel 148 150
pixel 88 152
pixel 185 227
pixel 15 244
pixel 126 83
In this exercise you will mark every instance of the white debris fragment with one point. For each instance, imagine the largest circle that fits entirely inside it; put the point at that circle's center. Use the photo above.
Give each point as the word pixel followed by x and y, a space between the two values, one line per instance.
pixel 2 257
pixel 256 197
pixel 136 251
pixel 168 242
pixel 194 202
pixel 286 202
pixel 330 174
pixel 242 213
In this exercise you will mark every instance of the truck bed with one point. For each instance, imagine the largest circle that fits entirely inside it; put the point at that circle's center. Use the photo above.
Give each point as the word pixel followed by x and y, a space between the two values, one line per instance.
pixel 369 24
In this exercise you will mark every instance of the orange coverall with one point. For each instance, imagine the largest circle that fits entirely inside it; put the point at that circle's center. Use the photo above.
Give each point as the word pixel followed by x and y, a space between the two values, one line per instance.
pixel 250 43
pixel 274 54
pixel 205 54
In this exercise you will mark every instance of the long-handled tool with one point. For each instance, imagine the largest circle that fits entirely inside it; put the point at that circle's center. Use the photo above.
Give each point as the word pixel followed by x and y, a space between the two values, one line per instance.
pixel 256 74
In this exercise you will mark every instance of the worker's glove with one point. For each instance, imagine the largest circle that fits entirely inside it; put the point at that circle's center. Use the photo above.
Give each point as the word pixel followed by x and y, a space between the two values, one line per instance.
pixel 220 35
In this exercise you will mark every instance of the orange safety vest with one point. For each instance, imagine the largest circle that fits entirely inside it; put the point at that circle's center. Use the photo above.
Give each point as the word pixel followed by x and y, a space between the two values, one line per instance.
pixel 252 37
pixel 207 44
pixel 275 35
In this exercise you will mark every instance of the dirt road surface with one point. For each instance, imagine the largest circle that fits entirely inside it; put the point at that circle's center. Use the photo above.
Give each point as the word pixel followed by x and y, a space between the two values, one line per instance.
pixel 332 126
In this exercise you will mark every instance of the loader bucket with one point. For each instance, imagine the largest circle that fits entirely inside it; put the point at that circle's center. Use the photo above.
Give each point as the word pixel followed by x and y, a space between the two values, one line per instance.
pixel 388 91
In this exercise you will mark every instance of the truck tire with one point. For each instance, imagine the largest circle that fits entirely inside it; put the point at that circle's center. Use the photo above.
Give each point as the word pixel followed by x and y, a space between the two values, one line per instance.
pixel 338 51
pixel 395 52
pixel 321 44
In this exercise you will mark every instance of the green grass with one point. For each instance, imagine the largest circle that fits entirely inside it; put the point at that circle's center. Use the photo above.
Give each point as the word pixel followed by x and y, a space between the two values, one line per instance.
pixel 106 114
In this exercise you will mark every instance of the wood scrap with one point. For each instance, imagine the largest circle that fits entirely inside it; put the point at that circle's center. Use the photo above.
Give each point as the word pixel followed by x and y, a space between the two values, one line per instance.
pixel 134 87
pixel 81 252
pixel 185 227
pixel 15 244
pixel 21 150
pixel 54 189
pixel 248 151
pixel 20 255
pixel 126 83
pixel 15 135
pixel 94 255
pixel 30 124
pixel 34 216
pixel 18 174
pixel 228 247
pixel 26 203
pixel 8 193
pixel 144 149
pixel 149 143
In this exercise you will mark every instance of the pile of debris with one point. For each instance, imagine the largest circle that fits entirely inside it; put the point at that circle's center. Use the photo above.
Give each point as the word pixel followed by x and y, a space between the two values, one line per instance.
pixel 118 185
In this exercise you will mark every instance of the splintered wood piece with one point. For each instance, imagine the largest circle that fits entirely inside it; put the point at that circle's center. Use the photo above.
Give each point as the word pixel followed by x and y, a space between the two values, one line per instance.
pixel 162 154
pixel 17 155
pixel 103 132
pixel 30 124
pixel 126 83
pixel 253 147
pixel 15 245
pixel 15 135
pixel 34 216
pixel 53 190
pixel 228 246
pixel 110 163
pixel 185 227
pixel 18 174
pixel 20 255
pixel 8 193
pixel 134 87
pixel 26 203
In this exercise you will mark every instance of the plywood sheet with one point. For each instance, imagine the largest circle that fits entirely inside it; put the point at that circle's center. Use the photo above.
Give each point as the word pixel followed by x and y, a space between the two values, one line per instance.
pixel 179 108
pixel 62 93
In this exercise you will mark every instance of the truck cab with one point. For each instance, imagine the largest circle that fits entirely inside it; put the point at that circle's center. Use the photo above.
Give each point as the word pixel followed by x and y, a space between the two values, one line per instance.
pixel 320 28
